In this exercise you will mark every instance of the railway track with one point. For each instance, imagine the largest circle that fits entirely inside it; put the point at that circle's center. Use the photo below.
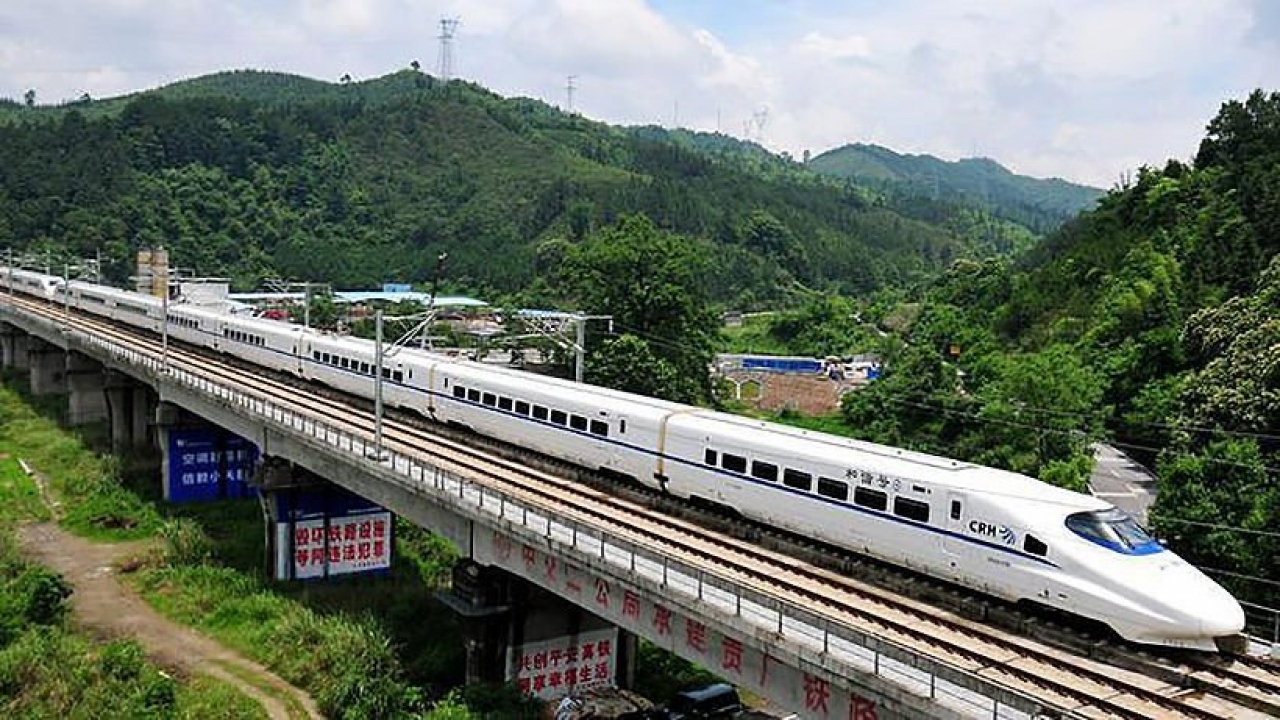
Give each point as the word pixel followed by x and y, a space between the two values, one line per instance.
pixel 1204 687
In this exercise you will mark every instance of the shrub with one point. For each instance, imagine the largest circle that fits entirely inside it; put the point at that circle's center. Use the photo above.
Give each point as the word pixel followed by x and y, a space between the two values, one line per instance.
pixel 44 594
pixel 185 543
pixel 122 660
pixel 158 694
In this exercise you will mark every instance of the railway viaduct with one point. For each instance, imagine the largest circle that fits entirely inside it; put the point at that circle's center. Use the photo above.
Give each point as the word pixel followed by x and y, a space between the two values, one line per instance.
pixel 555 600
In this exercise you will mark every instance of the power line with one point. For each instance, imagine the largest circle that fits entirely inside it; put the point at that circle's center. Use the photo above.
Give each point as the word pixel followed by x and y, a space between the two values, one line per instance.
pixel 1071 431
pixel 1216 526
pixel 1242 576
pixel 1216 461
pixel 1188 428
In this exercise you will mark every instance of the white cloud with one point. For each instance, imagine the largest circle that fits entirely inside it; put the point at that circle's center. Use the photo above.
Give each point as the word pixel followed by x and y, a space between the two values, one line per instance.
pixel 1084 88
pixel 824 48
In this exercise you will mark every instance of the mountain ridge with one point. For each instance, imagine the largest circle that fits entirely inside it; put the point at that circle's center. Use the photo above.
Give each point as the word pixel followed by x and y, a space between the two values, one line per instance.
pixel 1040 203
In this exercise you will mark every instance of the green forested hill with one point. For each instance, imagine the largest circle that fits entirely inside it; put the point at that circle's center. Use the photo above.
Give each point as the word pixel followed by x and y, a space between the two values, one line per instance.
pixel 1035 203
pixel 247 174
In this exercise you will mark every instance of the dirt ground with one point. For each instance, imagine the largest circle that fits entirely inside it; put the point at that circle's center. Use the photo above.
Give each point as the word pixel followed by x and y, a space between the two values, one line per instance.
pixel 808 394
pixel 107 608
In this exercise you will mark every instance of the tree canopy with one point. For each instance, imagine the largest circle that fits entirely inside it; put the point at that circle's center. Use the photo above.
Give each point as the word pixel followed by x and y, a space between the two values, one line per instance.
pixel 648 281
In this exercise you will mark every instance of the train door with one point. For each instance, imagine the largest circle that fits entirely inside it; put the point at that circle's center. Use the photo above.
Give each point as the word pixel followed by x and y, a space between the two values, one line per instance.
pixel 955 551
pixel 617 459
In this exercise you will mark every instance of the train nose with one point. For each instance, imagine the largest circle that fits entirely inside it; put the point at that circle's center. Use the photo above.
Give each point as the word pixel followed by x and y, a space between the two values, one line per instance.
pixel 1222 616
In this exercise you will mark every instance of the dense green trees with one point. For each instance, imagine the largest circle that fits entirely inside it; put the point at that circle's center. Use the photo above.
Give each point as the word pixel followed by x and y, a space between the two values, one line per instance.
pixel 649 282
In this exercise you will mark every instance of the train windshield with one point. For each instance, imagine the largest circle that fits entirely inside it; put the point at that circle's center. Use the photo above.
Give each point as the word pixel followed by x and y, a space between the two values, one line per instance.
pixel 1115 530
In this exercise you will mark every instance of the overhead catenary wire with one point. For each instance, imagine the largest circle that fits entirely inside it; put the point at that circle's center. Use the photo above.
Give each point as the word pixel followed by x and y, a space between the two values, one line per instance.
pixel 1024 408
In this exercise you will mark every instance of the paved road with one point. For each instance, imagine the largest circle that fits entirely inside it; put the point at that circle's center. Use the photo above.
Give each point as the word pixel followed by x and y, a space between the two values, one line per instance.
pixel 1120 480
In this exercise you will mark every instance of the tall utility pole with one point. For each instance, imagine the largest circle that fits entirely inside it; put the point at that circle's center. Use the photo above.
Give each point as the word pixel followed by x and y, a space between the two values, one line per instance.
pixel 425 340
pixel 448 28
pixel 66 291
pixel 377 386
pixel 569 87
pixel 164 327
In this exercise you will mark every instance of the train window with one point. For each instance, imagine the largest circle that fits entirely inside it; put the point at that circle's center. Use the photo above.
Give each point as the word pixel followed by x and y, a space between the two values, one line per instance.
pixel 1033 545
pixel 622 425
pixel 489 399
pixel 834 489
pixel 504 403
pixel 911 509
pixel 764 471
pixel 919 488
pixel 459 391
pixel 710 457
pixel 559 417
pixel 733 463
pixel 955 509
pixel 522 407
pixel 874 499
pixel 539 412
pixel 364 368
pixel 1113 529
pixel 796 479
pixel 473 395
pixel 397 376
pixel 315 355
pixel 599 427
pixel 577 422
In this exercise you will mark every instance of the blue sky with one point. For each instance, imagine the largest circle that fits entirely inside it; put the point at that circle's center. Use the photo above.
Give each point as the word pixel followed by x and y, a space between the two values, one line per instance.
pixel 1088 90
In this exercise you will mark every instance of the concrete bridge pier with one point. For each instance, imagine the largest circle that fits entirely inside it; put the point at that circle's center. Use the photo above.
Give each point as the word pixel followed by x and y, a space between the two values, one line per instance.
pixel 518 631
pixel 8 334
pixel 86 381
pixel 167 417
pixel 118 390
pixel 482 597
pixel 48 366
pixel 22 351
pixel 142 407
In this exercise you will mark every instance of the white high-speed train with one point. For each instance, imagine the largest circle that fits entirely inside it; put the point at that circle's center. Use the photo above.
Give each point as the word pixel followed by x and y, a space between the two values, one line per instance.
pixel 1005 534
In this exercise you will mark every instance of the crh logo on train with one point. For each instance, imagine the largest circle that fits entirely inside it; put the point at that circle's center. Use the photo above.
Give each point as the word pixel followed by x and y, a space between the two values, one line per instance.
pixel 1004 532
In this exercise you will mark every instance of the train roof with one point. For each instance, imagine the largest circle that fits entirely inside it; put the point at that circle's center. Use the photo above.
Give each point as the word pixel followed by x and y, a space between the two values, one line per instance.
pixel 821 447
pixel 570 386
